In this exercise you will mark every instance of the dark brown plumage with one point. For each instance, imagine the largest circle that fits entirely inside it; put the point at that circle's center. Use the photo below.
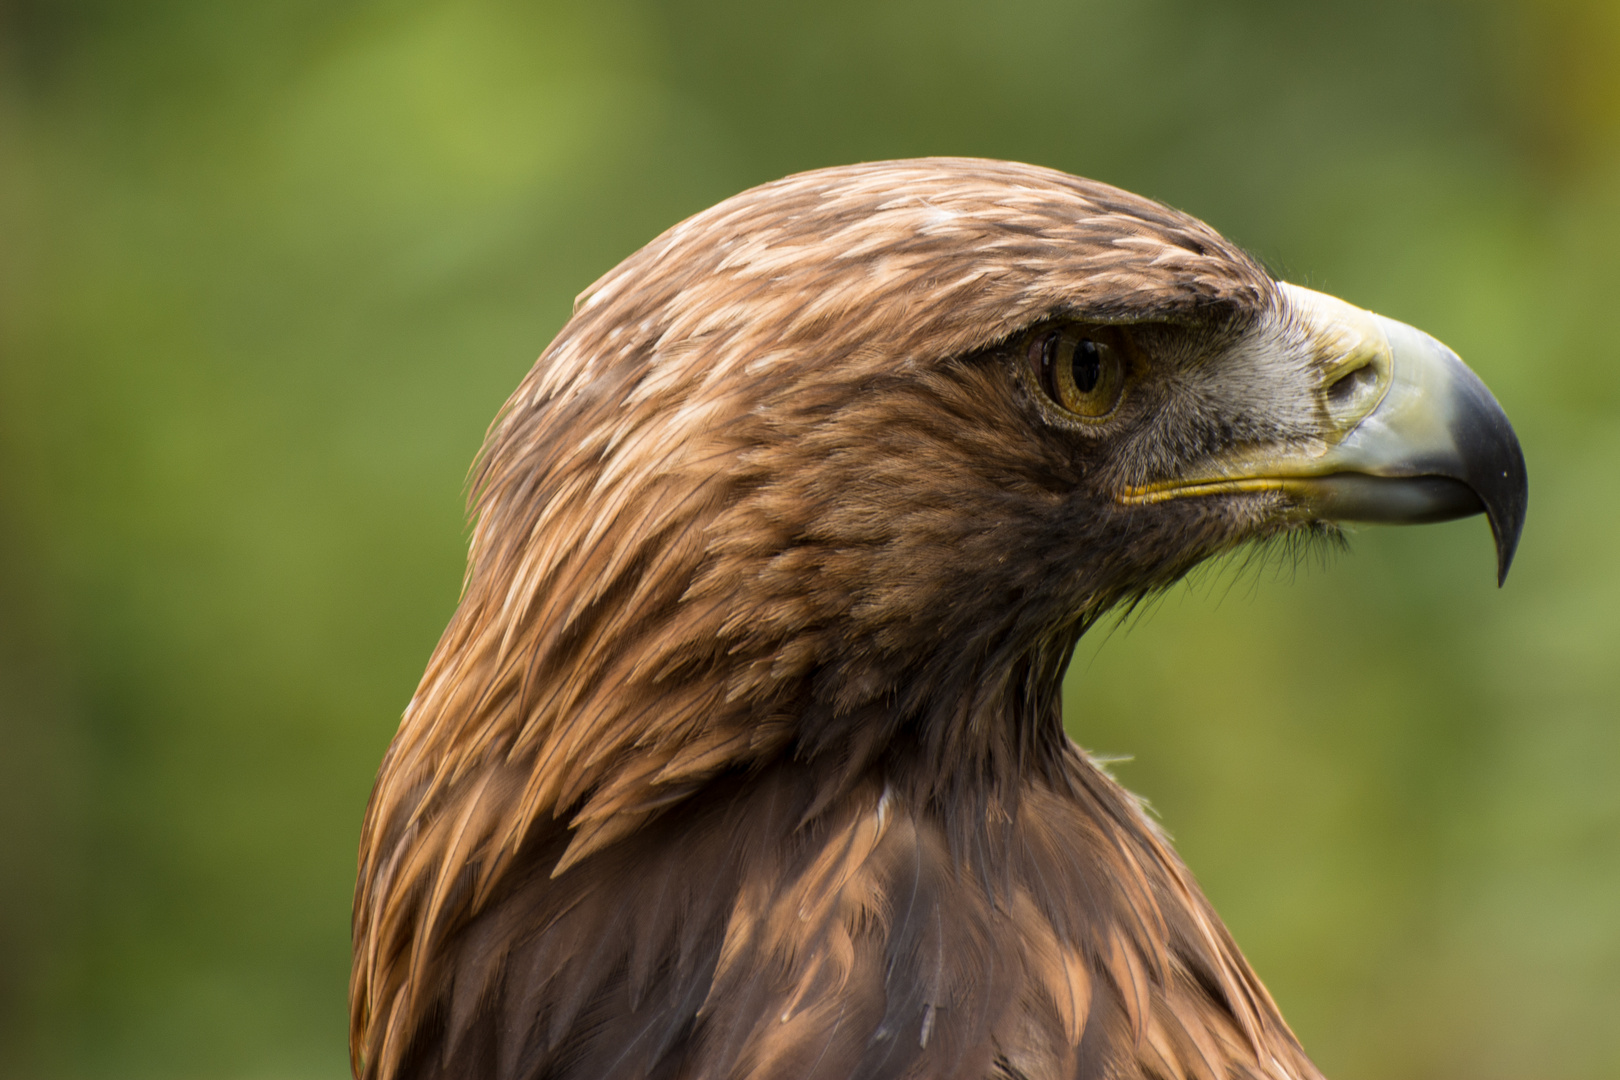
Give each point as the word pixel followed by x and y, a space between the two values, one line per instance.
pixel 743 755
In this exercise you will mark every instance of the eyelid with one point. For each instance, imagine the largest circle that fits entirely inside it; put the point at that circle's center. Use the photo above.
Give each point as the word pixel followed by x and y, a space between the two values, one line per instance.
pixel 1041 355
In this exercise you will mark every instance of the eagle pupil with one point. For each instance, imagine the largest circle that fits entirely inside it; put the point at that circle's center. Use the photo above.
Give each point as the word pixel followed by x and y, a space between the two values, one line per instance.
pixel 1087 366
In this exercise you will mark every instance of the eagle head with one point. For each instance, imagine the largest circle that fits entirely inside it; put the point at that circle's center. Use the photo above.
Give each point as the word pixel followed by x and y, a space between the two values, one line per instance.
pixel 780 553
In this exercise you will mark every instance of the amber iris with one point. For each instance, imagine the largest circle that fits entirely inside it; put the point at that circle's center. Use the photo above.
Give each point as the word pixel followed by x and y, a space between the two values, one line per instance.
pixel 1080 369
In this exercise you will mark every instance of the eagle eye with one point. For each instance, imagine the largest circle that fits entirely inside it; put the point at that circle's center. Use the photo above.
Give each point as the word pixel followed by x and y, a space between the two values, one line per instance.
pixel 1081 369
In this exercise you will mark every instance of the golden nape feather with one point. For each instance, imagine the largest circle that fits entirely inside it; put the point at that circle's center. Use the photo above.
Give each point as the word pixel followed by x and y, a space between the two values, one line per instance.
pixel 743 754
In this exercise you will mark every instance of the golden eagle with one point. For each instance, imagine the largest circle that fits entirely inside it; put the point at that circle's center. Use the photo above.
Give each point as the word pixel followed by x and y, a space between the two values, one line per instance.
pixel 743 755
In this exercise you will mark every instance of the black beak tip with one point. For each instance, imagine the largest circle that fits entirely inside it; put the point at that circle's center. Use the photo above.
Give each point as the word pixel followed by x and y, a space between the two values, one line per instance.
pixel 1506 524
pixel 1492 463
pixel 1506 499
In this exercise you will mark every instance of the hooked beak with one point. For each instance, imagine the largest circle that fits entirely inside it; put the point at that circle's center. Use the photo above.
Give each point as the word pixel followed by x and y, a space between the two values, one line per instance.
pixel 1411 435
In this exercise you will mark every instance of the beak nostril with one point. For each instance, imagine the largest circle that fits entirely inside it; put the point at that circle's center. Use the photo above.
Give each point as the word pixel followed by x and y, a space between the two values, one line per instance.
pixel 1350 387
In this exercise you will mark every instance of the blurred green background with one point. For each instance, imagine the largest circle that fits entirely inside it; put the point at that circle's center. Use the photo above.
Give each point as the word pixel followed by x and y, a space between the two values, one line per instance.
pixel 267 270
